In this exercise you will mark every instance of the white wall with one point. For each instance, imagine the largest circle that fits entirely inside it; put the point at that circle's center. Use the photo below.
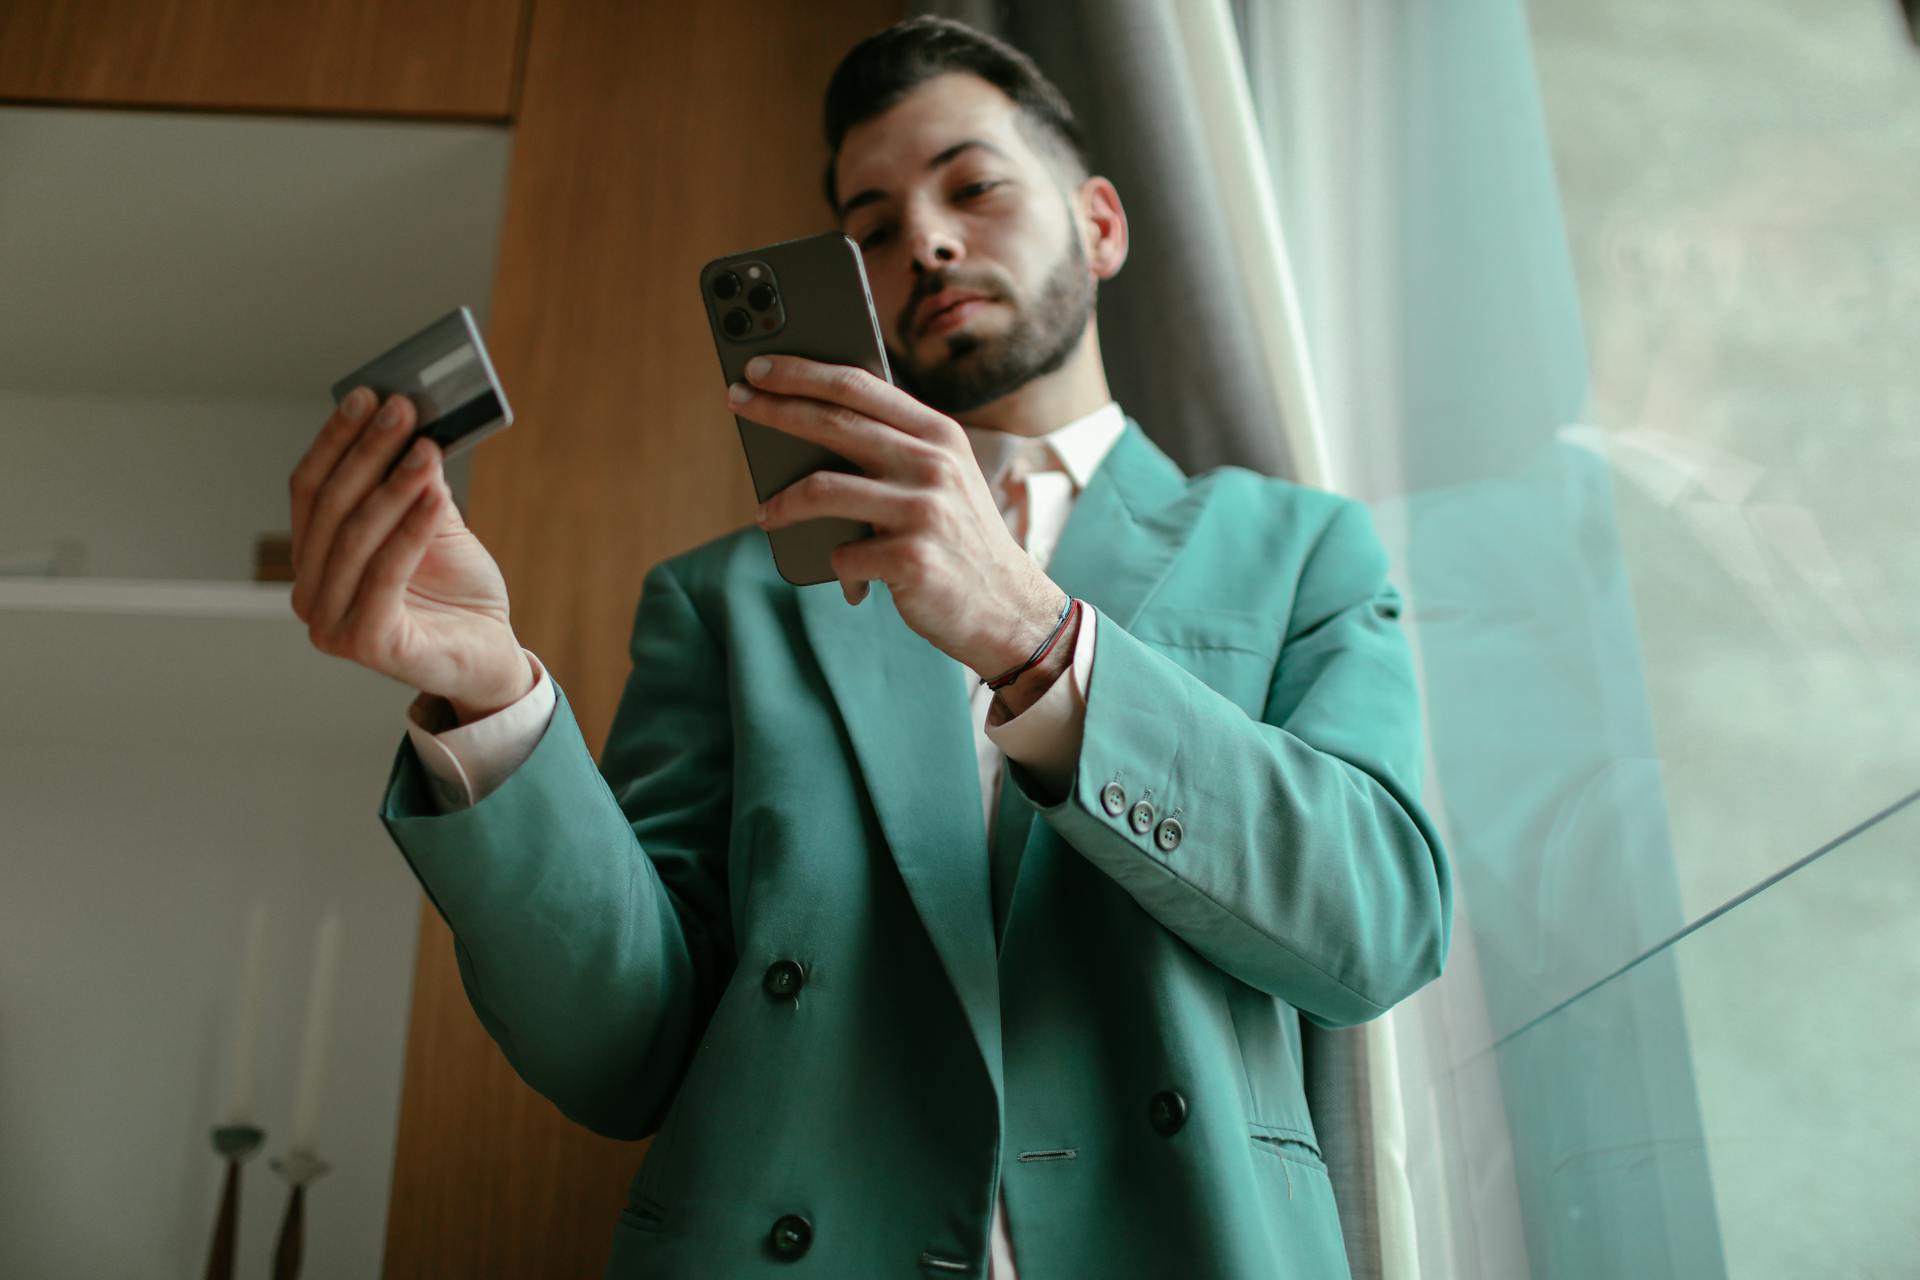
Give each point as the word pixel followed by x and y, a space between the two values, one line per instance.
pixel 157 774
pixel 151 485
pixel 177 294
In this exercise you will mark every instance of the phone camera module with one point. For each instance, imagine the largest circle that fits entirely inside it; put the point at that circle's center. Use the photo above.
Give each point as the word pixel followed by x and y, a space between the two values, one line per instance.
pixel 760 297
pixel 737 323
pixel 726 286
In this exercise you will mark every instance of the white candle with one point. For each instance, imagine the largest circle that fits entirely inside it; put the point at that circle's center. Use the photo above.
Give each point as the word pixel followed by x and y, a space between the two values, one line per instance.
pixel 246 1018
pixel 313 1044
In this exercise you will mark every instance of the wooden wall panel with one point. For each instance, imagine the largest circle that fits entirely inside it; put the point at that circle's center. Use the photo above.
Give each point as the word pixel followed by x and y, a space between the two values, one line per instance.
pixel 441 58
pixel 652 136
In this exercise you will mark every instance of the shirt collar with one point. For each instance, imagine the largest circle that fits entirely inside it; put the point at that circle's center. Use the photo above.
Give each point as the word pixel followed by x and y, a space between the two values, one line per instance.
pixel 1080 446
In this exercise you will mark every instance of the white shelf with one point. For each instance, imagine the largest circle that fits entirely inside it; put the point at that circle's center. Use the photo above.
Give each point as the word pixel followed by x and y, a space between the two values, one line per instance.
pixel 177 598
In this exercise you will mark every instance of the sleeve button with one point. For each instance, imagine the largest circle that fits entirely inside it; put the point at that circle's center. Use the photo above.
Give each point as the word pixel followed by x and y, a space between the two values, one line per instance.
pixel 1141 818
pixel 1168 836
pixel 1113 799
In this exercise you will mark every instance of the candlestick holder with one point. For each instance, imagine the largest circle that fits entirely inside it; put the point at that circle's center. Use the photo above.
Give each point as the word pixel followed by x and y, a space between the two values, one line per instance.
pixel 299 1168
pixel 234 1143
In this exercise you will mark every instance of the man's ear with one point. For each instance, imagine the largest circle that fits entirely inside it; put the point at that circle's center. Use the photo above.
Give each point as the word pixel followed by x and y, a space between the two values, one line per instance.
pixel 1104 224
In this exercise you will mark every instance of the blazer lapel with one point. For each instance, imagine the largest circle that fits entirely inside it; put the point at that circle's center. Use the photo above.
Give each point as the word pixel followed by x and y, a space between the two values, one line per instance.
pixel 906 710
pixel 1125 529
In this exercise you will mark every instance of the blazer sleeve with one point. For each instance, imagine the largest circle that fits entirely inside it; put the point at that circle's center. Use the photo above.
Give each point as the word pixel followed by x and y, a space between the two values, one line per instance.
pixel 588 904
pixel 1306 867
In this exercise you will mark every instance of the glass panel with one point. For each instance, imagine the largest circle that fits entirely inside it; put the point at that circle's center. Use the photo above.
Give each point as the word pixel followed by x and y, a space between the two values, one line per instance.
pixel 1760 1126
pixel 1738 185
pixel 1608 305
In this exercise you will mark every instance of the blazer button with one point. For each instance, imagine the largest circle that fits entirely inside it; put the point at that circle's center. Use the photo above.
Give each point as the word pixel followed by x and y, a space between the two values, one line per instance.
pixel 1141 818
pixel 1168 1111
pixel 1113 798
pixel 791 1236
pixel 784 979
pixel 1168 837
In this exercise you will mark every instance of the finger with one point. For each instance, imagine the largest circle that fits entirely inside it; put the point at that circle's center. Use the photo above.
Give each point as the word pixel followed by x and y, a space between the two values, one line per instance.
pixel 874 447
pixel 855 590
pixel 317 463
pixel 353 476
pixel 851 387
pixel 361 534
pixel 383 587
pixel 881 503
pixel 865 560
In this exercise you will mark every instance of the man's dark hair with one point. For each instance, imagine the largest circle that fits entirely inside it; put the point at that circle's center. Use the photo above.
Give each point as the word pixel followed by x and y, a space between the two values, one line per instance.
pixel 889 64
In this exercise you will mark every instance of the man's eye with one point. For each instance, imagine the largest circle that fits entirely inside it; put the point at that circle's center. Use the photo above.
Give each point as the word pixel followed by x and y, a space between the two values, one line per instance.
pixel 875 238
pixel 973 189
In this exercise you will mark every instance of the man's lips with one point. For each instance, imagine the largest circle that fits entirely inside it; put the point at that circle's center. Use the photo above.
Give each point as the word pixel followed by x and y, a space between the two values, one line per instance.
pixel 940 304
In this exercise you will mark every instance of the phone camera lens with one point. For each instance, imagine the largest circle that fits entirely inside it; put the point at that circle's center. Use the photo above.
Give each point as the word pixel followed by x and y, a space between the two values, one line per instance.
pixel 737 323
pixel 760 297
pixel 726 285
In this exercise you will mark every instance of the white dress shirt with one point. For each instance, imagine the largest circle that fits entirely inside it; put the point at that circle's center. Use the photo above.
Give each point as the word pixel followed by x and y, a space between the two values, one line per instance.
pixel 466 763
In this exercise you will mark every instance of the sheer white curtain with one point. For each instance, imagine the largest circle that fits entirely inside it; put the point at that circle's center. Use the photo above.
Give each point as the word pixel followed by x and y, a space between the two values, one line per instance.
pixel 1414 183
pixel 1248 200
pixel 1305 196
pixel 1328 93
pixel 1322 98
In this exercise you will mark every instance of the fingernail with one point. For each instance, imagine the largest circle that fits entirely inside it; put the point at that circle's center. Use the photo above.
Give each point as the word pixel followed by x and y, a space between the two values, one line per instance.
pixel 358 402
pixel 758 367
pixel 417 456
pixel 760 515
pixel 739 393
pixel 389 416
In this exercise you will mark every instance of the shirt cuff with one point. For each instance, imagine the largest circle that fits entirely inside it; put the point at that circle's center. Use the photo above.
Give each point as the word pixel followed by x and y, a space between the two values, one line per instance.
pixel 1045 738
pixel 465 763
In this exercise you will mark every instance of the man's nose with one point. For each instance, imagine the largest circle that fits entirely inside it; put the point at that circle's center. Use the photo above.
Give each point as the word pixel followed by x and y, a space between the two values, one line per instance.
pixel 934 249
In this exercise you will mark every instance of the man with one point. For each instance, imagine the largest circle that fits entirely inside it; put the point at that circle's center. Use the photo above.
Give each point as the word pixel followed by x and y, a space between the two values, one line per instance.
pixel 885 1021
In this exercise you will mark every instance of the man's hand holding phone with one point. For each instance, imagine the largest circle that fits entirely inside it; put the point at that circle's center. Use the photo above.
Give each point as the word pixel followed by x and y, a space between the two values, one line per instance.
pixel 957 574
pixel 387 574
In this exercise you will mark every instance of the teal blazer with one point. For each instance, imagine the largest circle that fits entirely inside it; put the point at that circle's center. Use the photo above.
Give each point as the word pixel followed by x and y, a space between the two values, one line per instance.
pixel 762 925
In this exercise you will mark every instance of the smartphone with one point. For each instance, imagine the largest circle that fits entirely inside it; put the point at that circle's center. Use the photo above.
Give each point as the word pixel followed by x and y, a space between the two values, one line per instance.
pixel 444 369
pixel 805 297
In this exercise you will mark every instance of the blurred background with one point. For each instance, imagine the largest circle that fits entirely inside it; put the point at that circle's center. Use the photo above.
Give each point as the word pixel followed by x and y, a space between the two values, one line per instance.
pixel 1605 308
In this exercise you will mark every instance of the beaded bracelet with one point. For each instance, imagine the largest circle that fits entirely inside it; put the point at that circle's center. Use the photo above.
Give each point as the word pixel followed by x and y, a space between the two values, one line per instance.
pixel 1008 677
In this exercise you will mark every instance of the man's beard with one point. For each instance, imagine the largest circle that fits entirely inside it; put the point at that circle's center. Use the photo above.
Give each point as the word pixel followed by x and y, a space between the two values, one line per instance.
pixel 979 370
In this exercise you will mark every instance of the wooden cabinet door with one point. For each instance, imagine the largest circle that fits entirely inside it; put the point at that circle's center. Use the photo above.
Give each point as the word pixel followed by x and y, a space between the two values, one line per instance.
pixel 453 58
